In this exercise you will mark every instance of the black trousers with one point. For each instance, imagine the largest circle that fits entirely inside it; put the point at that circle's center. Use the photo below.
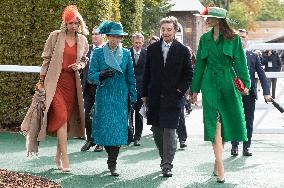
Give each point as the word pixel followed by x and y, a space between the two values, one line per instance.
pixel 112 152
pixel 249 108
pixel 181 129
pixel 138 126
pixel 89 100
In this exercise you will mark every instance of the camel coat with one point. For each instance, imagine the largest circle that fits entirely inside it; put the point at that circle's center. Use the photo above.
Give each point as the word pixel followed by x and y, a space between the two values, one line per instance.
pixel 51 68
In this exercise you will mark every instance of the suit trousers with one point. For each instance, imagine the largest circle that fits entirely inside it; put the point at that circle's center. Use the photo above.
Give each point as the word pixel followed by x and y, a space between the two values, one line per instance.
pixel 181 129
pixel 138 126
pixel 89 100
pixel 165 140
pixel 249 108
pixel 272 84
pixel 112 152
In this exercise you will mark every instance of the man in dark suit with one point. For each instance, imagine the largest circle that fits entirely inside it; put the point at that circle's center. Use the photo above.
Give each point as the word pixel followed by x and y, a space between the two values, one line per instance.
pixel 139 57
pixel 254 65
pixel 89 92
pixel 167 76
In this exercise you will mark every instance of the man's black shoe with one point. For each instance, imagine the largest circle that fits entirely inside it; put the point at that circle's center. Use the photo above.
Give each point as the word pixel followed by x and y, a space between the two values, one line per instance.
pixel 136 143
pixel 234 151
pixel 87 145
pixel 167 172
pixel 182 144
pixel 98 148
pixel 247 153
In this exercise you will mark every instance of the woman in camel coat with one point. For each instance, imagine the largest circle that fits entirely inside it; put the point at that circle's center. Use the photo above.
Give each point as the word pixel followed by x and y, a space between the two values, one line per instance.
pixel 64 54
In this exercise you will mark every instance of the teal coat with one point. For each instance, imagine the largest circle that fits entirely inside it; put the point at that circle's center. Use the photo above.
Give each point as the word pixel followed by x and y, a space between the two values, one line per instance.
pixel 110 120
pixel 213 75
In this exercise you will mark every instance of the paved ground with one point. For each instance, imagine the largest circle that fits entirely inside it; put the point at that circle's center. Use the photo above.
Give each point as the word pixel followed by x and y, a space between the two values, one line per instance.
pixel 139 166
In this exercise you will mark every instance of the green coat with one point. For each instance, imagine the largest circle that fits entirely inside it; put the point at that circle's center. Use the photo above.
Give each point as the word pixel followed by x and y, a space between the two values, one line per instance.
pixel 213 75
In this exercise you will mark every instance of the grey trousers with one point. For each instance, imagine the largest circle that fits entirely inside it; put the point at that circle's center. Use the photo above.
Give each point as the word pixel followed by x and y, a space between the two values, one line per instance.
pixel 166 142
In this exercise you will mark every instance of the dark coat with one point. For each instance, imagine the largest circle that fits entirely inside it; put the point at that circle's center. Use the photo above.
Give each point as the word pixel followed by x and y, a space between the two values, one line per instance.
pixel 84 73
pixel 276 63
pixel 139 69
pixel 254 65
pixel 160 83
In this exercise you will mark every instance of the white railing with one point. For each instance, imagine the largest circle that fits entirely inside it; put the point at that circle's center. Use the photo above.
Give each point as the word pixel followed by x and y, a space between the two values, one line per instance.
pixel 19 68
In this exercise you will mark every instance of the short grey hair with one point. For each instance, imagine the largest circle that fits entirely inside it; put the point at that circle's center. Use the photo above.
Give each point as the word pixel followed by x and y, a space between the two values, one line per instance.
pixel 170 19
pixel 138 35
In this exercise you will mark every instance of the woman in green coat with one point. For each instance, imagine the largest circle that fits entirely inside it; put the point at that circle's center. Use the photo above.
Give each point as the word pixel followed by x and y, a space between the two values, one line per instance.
pixel 223 114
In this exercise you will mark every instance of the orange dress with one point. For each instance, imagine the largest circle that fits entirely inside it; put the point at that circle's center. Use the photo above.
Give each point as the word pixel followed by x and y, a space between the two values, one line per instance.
pixel 65 95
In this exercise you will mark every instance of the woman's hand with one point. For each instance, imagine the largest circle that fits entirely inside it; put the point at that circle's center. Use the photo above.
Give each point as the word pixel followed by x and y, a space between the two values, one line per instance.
pixel 39 85
pixel 245 92
pixel 75 66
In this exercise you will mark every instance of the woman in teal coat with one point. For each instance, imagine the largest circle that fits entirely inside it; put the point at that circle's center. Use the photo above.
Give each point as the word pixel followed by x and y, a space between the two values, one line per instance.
pixel 223 115
pixel 111 69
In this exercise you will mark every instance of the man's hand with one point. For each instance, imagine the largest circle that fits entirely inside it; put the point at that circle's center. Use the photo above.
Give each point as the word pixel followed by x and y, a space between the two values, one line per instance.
pixel 145 100
pixel 194 98
pixel 267 98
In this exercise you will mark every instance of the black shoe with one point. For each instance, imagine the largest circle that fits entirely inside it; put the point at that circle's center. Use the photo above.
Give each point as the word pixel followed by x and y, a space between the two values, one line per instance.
pixel 87 146
pixel 234 151
pixel 247 153
pixel 167 172
pixel 98 148
pixel 113 172
pixel 136 143
pixel 182 144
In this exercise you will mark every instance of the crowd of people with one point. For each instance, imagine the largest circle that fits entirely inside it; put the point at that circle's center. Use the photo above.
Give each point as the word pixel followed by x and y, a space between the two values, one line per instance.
pixel 93 90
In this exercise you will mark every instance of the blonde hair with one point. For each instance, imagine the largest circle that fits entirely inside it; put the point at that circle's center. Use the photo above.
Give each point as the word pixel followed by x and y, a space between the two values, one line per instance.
pixel 82 25
pixel 170 19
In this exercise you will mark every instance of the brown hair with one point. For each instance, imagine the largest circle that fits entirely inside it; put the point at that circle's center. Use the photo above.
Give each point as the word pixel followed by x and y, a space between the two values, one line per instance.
pixel 226 30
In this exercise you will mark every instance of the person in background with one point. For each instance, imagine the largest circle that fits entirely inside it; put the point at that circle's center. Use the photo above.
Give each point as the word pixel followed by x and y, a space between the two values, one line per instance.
pixel 223 113
pixel 254 66
pixel 272 63
pixel 138 55
pixel 65 53
pixel 167 76
pixel 111 69
pixel 89 93
pixel 154 39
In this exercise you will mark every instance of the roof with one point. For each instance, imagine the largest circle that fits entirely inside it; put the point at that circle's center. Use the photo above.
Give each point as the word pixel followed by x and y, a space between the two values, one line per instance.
pixel 266 46
pixel 186 5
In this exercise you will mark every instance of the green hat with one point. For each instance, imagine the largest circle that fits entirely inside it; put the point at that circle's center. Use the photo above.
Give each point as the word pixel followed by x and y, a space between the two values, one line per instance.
pixel 213 12
pixel 111 28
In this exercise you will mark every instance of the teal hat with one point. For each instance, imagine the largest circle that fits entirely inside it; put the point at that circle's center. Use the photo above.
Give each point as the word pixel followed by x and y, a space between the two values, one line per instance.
pixel 111 28
pixel 213 12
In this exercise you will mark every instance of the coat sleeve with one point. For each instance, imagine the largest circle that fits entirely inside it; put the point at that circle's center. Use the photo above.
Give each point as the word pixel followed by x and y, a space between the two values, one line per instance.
pixel 187 72
pixel 94 68
pixel 84 59
pixel 47 52
pixel 262 77
pixel 199 67
pixel 146 75
pixel 130 78
pixel 240 62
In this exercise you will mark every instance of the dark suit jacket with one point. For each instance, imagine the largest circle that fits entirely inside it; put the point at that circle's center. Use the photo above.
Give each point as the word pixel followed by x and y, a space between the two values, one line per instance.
pixel 276 63
pixel 254 65
pixel 139 69
pixel 160 83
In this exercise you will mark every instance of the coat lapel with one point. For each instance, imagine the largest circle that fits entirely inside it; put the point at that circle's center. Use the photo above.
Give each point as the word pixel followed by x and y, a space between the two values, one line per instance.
pixel 171 53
